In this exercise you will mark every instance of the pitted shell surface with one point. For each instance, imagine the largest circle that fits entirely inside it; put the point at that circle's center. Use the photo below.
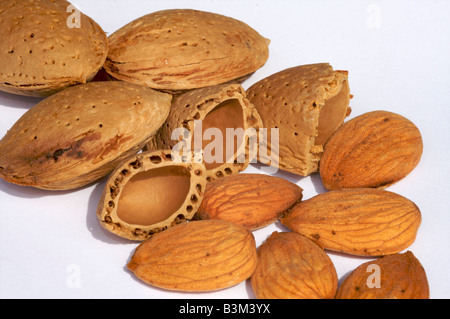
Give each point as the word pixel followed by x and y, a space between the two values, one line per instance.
pixel 80 134
pixel 150 192
pixel 47 46
pixel 183 49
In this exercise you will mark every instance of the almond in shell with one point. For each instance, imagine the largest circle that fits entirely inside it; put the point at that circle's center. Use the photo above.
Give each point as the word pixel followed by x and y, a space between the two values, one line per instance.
pixel 375 149
pixel 291 266
pixel 250 200
pixel 80 134
pixel 397 276
pixel 47 46
pixel 183 49
pixel 360 221
pixel 205 255
pixel 150 192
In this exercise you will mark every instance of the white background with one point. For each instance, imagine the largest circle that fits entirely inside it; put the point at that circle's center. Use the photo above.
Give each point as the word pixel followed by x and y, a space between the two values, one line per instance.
pixel 397 54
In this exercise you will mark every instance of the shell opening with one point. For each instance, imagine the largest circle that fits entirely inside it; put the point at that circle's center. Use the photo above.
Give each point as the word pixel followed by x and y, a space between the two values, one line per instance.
pixel 153 196
pixel 216 145
pixel 332 114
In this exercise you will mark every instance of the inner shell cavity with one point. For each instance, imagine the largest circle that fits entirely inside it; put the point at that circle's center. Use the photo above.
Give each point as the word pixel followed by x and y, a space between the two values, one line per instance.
pixel 228 114
pixel 153 196
pixel 333 114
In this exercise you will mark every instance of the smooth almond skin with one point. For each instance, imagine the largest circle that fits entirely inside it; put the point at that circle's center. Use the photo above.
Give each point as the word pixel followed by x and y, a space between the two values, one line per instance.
pixel 205 255
pixel 80 134
pixel 401 276
pixel 249 200
pixel 362 221
pixel 184 49
pixel 47 46
pixel 291 266
pixel 375 149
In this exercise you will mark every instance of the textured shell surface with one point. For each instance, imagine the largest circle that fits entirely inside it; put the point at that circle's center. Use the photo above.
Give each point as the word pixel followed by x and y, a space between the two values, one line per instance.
pixel 150 192
pixel 220 107
pixel 78 135
pixel 306 103
pixel 41 52
pixel 181 49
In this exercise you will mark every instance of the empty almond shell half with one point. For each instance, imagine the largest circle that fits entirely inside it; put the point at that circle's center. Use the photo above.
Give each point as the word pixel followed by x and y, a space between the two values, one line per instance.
pixel 220 122
pixel 47 46
pixel 183 49
pixel 80 134
pixel 149 193
pixel 307 104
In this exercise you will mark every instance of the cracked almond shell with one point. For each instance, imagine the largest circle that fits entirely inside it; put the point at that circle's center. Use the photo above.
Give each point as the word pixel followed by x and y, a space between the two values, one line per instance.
pixel 39 54
pixel 183 49
pixel 150 192
pixel 250 200
pixel 291 266
pixel 205 255
pixel 219 107
pixel 400 276
pixel 307 104
pixel 375 149
pixel 80 134
pixel 359 221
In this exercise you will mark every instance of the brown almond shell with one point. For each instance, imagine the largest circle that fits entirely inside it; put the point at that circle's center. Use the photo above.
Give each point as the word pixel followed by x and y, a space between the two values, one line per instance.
pixel 216 107
pixel 306 103
pixel 80 134
pixel 41 53
pixel 183 49
pixel 150 192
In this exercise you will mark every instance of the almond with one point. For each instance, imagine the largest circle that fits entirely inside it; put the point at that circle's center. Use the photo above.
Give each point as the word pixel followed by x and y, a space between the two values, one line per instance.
pixel 202 255
pixel 398 276
pixel 291 266
pixel 360 221
pixel 306 103
pixel 80 134
pixel 250 200
pixel 375 149
pixel 47 46
pixel 183 49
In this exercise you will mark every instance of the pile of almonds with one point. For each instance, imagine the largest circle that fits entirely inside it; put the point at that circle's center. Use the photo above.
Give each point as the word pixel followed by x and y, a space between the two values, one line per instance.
pixel 110 109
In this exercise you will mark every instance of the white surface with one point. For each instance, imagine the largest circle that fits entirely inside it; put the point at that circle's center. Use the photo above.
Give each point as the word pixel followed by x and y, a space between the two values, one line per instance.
pixel 397 54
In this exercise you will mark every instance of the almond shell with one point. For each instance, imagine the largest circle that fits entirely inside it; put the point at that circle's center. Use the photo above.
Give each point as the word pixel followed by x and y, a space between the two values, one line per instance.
pixel 219 107
pixel 80 134
pixel 44 50
pixel 184 49
pixel 150 192
pixel 306 104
